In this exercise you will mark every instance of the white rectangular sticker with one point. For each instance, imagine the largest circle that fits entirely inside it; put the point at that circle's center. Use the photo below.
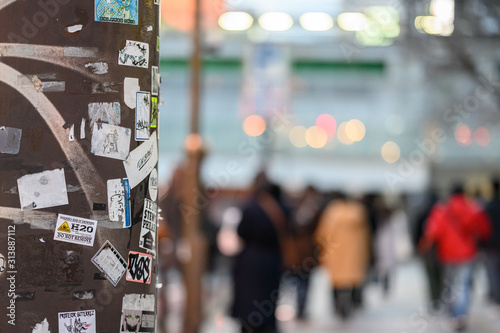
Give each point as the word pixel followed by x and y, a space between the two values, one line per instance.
pixel 111 141
pixel 76 230
pixel 110 262
pixel 142 116
pixel 135 54
pixel 77 321
pixel 141 161
pixel 104 112
pixel 155 80
pixel 147 239
pixel 10 140
pixel 119 201
pixel 138 313
pixel 43 190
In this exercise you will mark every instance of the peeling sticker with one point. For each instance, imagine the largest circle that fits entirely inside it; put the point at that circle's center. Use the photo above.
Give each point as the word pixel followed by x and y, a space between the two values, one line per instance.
pixel 99 68
pixel 111 141
pixel 154 112
pixel 74 28
pixel 42 327
pixel 106 112
pixel 155 80
pixel 37 83
pixel 77 321
pixel 135 54
pixel 149 28
pixel 110 262
pixel 138 313
pixel 42 190
pixel 71 135
pixel 139 267
pixel 153 185
pixel 84 294
pixel 42 240
pixel 76 230
pixel 147 239
pixel 82 129
pixel 105 87
pixel 117 11
pixel 53 86
pixel 80 52
pixel 130 89
pixel 119 201
pixel 10 140
pixel 141 161
pixel 142 116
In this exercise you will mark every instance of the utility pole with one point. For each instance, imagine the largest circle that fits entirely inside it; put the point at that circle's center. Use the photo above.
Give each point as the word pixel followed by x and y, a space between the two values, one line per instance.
pixel 79 92
pixel 194 263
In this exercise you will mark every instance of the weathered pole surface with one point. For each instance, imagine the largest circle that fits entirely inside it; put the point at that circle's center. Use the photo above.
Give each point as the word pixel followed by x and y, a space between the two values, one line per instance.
pixel 194 264
pixel 79 91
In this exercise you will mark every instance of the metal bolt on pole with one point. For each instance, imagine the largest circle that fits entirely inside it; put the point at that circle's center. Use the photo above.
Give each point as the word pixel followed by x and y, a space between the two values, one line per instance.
pixel 79 91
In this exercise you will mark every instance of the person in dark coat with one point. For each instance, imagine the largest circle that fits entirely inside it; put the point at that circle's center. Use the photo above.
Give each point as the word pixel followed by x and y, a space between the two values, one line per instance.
pixel 492 246
pixel 258 267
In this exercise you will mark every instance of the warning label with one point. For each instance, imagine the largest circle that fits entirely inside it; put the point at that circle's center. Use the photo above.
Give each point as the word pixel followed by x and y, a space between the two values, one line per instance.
pixel 77 230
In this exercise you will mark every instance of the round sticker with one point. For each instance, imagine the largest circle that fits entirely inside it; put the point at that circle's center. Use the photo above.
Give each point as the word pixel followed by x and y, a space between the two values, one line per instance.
pixel 153 184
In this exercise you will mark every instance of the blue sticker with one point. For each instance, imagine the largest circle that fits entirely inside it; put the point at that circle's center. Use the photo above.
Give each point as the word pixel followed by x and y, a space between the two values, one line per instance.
pixel 128 221
pixel 117 11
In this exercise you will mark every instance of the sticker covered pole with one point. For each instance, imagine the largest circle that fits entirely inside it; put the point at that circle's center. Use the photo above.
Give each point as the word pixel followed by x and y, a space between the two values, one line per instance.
pixel 79 91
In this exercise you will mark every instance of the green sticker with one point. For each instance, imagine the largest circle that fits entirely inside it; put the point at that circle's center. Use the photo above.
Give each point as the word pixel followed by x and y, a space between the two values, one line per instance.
pixel 154 112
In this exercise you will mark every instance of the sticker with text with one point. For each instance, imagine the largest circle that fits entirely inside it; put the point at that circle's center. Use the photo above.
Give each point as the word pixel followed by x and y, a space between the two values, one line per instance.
pixel 138 313
pixel 147 239
pixel 77 321
pixel 110 262
pixel 76 230
pixel 135 54
pixel 119 201
pixel 139 267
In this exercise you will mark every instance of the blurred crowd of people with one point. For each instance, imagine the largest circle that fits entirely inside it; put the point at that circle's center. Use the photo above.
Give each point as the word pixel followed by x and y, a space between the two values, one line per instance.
pixel 280 238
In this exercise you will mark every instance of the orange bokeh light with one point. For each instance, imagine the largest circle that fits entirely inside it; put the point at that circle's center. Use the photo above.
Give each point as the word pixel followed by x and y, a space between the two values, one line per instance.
pixel 254 125
pixel 179 14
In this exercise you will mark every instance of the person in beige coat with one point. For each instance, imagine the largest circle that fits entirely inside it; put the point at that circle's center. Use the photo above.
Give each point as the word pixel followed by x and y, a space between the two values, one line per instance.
pixel 344 243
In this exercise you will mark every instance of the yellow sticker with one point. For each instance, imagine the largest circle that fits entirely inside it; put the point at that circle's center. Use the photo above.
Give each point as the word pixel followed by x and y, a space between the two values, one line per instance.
pixel 64 227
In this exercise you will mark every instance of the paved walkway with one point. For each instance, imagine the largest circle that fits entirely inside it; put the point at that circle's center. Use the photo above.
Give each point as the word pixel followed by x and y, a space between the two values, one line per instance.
pixel 404 310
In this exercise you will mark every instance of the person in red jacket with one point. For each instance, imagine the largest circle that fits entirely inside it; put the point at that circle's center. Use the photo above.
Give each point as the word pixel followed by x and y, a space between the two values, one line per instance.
pixel 456 227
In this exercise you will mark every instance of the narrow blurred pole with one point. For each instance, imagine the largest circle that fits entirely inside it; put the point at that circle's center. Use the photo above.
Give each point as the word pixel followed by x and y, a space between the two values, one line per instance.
pixel 195 260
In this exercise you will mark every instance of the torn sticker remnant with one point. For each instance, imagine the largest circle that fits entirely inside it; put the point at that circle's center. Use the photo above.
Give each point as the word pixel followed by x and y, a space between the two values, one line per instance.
pixel 135 54
pixel 10 140
pixel 138 313
pixel 142 116
pixel 43 190
pixel 111 141
pixel 105 112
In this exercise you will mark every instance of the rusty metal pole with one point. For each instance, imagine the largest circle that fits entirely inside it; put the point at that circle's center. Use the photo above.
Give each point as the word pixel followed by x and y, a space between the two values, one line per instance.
pixel 194 263
pixel 79 90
